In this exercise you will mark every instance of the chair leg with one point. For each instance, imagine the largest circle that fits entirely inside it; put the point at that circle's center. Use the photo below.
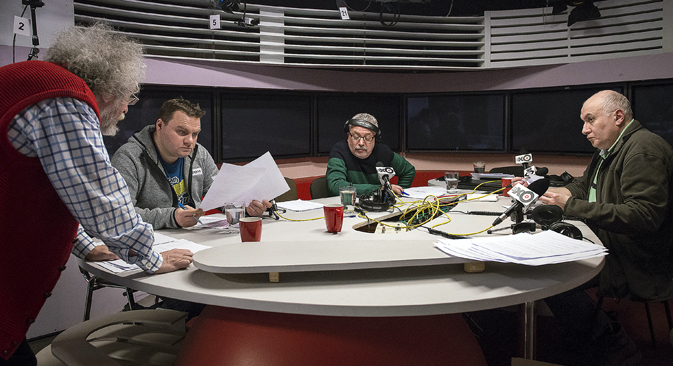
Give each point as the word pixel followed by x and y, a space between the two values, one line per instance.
pixel 88 300
pixel 649 322
pixel 668 314
pixel 129 295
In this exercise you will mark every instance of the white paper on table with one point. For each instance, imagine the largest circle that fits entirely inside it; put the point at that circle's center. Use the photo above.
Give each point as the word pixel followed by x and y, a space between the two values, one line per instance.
pixel 422 192
pixel 118 265
pixel 162 238
pixel 299 205
pixel 210 221
pixel 257 180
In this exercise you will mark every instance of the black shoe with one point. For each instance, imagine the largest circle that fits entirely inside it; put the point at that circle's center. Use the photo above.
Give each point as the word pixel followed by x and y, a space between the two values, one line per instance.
pixel 616 348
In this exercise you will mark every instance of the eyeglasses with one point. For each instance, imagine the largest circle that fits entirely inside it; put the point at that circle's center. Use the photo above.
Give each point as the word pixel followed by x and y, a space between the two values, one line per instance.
pixel 132 100
pixel 356 138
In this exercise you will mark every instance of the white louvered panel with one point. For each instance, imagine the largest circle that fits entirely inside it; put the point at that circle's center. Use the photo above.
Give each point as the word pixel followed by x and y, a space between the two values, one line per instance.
pixel 535 37
pixel 381 41
pixel 272 42
pixel 389 51
pixel 360 42
pixel 311 37
pixel 616 48
pixel 194 50
pixel 375 34
pixel 383 58
pixel 294 36
pixel 139 30
pixel 515 48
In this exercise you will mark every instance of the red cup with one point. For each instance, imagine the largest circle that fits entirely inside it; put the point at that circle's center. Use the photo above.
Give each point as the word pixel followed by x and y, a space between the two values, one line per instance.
pixel 334 217
pixel 505 183
pixel 250 228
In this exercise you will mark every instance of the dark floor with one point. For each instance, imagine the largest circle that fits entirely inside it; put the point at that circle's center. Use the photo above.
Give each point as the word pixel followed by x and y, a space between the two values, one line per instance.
pixel 631 314
pixel 500 343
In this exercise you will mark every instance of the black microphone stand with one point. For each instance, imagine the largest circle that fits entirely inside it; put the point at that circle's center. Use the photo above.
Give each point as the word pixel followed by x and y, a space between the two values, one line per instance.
pixel 518 226
pixel 36 40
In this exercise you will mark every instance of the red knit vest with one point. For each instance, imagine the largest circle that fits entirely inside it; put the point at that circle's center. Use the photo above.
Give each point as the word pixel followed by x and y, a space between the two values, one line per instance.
pixel 36 228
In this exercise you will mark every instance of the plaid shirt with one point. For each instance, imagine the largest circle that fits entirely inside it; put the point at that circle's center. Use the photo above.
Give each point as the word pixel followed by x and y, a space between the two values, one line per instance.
pixel 64 133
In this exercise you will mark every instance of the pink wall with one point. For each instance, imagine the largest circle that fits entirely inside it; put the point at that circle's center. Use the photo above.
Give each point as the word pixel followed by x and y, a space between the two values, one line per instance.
pixel 236 75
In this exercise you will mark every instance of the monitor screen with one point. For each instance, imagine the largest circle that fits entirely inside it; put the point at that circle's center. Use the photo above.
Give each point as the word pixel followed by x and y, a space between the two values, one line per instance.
pixel 253 124
pixel 549 120
pixel 335 109
pixel 653 108
pixel 456 122
pixel 146 111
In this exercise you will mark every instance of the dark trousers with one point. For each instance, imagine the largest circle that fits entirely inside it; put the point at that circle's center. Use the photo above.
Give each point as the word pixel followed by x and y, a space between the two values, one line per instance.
pixel 582 322
pixel 23 356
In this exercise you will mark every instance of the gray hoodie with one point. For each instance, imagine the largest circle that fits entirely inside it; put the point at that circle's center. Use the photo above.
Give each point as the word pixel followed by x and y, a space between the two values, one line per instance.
pixel 153 196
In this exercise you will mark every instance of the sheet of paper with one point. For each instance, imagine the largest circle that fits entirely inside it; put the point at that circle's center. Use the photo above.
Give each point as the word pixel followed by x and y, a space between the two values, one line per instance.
pixel 160 238
pixel 422 192
pixel 210 222
pixel 257 180
pixel 299 205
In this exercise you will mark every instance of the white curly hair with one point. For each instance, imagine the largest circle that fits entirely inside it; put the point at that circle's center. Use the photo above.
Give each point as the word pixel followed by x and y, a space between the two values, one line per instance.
pixel 110 63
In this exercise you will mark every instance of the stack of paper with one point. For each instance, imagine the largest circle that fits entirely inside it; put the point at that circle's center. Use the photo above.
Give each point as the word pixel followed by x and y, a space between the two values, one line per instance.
pixel 299 205
pixel 546 247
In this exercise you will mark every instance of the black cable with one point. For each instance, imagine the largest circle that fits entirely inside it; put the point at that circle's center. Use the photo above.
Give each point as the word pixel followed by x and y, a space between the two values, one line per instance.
pixel 443 233
pixel 396 15
pixel 14 40
pixel 351 9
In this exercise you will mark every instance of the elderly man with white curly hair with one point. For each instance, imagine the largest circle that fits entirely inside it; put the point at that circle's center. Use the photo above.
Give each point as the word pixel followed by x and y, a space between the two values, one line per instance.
pixel 56 181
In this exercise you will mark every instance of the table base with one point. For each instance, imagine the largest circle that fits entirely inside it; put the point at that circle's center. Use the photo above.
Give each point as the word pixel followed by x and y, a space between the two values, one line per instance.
pixel 228 336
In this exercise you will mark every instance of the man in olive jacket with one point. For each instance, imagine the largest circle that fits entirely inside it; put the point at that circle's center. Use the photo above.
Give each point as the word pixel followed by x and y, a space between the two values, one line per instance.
pixel 624 196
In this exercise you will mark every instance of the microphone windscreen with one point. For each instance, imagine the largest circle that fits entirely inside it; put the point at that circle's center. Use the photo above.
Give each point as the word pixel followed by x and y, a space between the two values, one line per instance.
pixel 379 164
pixel 523 151
pixel 542 171
pixel 540 186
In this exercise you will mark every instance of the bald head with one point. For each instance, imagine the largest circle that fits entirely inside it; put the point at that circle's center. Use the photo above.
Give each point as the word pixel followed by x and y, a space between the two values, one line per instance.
pixel 605 115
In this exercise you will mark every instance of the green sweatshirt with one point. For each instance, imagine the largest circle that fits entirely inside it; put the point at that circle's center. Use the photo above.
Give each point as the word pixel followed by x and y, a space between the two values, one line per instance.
pixel 344 168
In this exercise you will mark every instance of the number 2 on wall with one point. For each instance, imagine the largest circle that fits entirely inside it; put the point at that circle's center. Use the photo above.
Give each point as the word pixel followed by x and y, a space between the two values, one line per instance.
pixel 21 26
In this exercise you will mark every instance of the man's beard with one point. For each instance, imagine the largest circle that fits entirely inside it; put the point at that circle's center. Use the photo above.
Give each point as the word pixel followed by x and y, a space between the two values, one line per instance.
pixel 108 121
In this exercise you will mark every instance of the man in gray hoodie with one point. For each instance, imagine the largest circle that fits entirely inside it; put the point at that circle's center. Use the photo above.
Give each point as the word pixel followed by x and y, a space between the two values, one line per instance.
pixel 167 171
pixel 164 168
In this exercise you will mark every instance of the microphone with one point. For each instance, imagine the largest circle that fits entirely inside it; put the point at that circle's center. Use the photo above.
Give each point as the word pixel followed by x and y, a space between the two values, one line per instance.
pixel 532 173
pixel 383 198
pixel 385 173
pixel 524 197
pixel 542 171
pixel 524 158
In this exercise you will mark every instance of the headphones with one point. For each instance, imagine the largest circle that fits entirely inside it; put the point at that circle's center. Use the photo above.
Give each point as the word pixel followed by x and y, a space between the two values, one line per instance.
pixel 566 229
pixel 551 216
pixel 355 122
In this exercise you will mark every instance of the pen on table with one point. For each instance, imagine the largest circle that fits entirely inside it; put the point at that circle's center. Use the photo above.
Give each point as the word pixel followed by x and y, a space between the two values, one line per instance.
pixel 184 208
pixel 404 193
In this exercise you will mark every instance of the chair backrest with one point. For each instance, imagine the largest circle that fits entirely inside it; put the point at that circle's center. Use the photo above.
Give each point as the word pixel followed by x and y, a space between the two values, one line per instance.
pixel 139 337
pixel 290 195
pixel 319 188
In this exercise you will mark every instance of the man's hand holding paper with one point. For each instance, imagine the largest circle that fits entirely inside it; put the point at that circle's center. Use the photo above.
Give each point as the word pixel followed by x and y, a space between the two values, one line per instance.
pixel 258 180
